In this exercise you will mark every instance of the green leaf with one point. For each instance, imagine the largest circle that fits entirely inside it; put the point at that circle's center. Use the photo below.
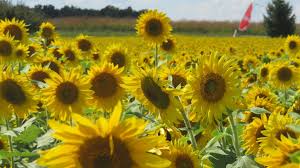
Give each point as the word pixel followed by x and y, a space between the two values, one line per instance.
pixel 295 157
pixel 221 158
pixel 294 127
pixel 29 135
pixel 7 155
pixel 258 110
pixel 243 162
pixel 294 115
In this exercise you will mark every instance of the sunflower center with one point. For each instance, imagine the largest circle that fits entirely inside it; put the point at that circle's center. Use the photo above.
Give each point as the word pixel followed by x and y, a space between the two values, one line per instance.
pixel 39 76
pixel 259 132
pixel 96 56
pixel 111 155
pixel 167 45
pixel 31 50
pixel 177 80
pixel 154 93
pixel 84 45
pixel 284 74
pixel 213 87
pixel 57 54
pixel 52 65
pixel 154 27
pixel 47 32
pixel 104 85
pixel 285 132
pixel 264 72
pixel 6 48
pixel 12 92
pixel 292 45
pixel 67 93
pixel 261 96
pixel 1 144
pixel 14 31
pixel 70 55
pixel 19 53
pixel 184 161
pixel 118 58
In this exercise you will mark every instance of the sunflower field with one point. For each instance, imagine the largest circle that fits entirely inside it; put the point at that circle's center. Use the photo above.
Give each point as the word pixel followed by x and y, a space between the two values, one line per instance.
pixel 157 100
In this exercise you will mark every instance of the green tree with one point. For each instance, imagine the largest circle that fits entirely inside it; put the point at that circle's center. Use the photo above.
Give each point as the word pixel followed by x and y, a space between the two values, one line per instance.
pixel 279 20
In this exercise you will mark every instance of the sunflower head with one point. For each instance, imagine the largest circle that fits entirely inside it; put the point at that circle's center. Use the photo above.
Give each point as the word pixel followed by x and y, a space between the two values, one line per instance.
pixel 154 26
pixel 292 45
pixel 83 43
pixel 38 74
pixel 21 52
pixel 71 54
pixel 176 76
pixel 47 31
pixel 7 48
pixel 169 45
pixel 264 72
pixel 118 56
pixel 14 28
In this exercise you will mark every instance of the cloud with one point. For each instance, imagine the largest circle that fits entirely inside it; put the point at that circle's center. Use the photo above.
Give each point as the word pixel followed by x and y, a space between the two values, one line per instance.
pixel 180 9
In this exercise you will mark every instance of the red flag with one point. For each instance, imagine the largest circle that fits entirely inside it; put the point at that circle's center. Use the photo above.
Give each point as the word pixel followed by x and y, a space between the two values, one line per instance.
pixel 245 22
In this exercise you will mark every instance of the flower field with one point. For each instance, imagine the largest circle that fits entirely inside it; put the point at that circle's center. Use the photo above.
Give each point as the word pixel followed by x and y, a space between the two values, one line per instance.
pixel 155 100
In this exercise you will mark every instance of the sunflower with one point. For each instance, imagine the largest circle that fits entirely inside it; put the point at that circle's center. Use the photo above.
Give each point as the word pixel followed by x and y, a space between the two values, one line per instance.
pixel 51 62
pixel 66 93
pixel 280 156
pixel 154 26
pixel 117 55
pixel 169 45
pixel 292 45
pixel 34 50
pixel 21 52
pixel 96 55
pixel 14 28
pixel 108 143
pixel 283 75
pixel 213 87
pixel 264 72
pixel 105 82
pixel 71 54
pixel 261 92
pixel 177 76
pixel 182 155
pixel 84 44
pixel 47 31
pixel 295 107
pixel 146 88
pixel 38 74
pixel 252 133
pixel 7 49
pixel 16 95
pixel 249 62
pixel 3 143
pixel 277 127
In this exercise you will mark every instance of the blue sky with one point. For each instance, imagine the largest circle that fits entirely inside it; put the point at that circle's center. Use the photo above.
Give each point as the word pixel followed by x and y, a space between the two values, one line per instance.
pixel 179 9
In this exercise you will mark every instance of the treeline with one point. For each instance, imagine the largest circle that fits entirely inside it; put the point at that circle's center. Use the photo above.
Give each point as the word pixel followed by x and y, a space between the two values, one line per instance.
pixel 109 11
pixel 39 13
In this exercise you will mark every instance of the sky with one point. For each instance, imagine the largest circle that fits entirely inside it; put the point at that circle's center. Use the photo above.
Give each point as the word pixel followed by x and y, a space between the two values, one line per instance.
pixel 219 10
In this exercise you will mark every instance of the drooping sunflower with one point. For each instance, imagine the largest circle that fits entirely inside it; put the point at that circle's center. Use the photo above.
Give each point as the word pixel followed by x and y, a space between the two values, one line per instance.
pixel 146 87
pixel 84 44
pixel 7 49
pixel 292 45
pixel 283 75
pixel 261 92
pixel 279 157
pixel 71 54
pixel 182 155
pixel 14 28
pixel 108 143
pixel 154 26
pixel 213 87
pixel 117 55
pixel 21 52
pixel 169 46
pixel 38 74
pixel 277 126
pixel 16 95
pixel 252 133
pixel 47 31
pixel 105 82
pixel 66 93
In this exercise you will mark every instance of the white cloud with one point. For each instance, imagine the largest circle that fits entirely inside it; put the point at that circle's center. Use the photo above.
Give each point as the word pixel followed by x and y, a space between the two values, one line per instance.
pixel 180 9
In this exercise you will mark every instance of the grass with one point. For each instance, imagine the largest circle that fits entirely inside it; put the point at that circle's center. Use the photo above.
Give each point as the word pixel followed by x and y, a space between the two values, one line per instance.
pixel 96 26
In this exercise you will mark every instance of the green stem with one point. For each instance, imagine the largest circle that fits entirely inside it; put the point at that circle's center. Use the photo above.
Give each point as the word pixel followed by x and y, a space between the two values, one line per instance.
pixel 189 128
pixel 235 135
pixel 10 144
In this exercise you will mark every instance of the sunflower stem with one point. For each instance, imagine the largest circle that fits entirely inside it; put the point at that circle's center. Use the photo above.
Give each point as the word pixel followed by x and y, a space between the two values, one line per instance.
pixel 235 135
pixel 12 162
pixel 156 55
pixel 189 128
